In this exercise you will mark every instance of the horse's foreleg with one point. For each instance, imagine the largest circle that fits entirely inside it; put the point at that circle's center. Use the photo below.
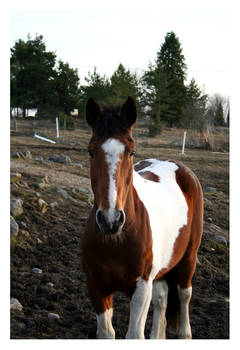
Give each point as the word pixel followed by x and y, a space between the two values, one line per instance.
pixel 139 306
pixel 104 311
pixel 104 325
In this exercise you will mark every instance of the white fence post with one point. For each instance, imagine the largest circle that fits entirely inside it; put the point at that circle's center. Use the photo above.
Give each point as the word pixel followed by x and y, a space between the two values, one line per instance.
pixel 184 140
pixel 57 129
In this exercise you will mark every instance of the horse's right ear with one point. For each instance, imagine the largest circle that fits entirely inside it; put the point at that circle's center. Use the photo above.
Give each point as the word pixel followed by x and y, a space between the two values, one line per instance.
pixel 93 112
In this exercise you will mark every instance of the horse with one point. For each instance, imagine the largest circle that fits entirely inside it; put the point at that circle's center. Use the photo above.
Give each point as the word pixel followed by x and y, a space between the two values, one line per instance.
pixel 143 231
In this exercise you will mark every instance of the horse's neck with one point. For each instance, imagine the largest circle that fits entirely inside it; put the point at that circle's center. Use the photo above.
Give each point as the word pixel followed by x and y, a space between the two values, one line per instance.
pixel 133 207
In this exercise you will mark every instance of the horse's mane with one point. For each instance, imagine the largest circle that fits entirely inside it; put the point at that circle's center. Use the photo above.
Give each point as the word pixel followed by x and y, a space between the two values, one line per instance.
pixel 111 124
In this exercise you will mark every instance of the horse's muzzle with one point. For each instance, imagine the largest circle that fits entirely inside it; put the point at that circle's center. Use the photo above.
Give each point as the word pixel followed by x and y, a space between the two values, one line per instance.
pixel 110 223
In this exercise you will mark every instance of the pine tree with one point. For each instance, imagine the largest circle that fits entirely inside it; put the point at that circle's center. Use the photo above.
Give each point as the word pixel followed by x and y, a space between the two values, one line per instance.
pixel 165 94
pixel 171 62
pixel 123 84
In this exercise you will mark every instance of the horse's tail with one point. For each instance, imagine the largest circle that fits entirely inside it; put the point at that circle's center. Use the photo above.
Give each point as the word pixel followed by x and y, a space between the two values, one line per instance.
pixel 173 305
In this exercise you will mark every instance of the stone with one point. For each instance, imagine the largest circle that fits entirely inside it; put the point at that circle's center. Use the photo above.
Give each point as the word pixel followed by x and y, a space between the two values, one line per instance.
pixel 16 208
pixel 220 239
pixel 44 183
pixel 60 159
pixel 62 192
pixel 209 189
pixel 39 158
pixel 16 155
pixel 50 284
pixel 24 233
pixel 27 154
pixel 42 205
pixel 14 228
pixel 22 225
pixel 37 271
pixel 15 304
pixel 53 205
pixel 15 177
pixel 209 219
pixel 53 316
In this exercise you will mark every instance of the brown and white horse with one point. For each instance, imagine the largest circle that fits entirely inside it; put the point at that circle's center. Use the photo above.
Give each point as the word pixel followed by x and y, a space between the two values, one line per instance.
pixel 144 230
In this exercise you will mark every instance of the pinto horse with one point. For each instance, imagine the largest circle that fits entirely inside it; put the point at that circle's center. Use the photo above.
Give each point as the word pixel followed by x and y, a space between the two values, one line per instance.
pixel 143 232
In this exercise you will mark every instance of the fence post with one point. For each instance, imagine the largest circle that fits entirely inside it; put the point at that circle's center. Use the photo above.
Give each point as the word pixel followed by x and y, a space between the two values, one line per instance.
pixel 184 140
pixel 57 128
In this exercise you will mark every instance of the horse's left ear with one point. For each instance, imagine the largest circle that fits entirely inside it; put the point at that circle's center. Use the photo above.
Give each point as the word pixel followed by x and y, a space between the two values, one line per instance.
pixel 93 112
pixel 129 112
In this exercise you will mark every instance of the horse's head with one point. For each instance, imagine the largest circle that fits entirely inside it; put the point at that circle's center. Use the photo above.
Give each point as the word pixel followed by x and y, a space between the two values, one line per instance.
pixel 111 150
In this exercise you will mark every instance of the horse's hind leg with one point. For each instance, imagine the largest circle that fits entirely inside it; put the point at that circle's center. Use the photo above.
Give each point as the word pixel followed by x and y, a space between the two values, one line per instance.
pixel 159 300
pixel 186 269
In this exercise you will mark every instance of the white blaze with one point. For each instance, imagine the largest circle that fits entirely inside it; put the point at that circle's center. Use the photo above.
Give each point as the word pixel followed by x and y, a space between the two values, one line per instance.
pixel 113 149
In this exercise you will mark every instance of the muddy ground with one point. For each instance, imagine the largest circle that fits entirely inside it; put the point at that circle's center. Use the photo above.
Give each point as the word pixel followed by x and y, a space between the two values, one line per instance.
pixel 53 242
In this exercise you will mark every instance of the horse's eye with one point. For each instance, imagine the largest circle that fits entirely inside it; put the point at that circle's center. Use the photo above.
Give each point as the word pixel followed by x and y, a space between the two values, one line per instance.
pixel 91 153
pixel 132 153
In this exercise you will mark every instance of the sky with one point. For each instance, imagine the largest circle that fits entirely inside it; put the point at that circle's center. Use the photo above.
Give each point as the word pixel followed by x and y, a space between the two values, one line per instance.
pixel 104 33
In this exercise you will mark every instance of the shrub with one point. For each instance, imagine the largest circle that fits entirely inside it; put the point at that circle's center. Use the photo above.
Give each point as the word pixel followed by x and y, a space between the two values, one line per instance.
pixel 66 121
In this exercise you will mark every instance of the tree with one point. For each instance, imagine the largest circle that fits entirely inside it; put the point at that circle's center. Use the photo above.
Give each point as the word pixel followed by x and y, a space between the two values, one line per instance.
pixel 66 84
pixel 123 84
pixel 32 73
pixel 215 110
pixel 97 87
pixel 164 82
pixel 194 112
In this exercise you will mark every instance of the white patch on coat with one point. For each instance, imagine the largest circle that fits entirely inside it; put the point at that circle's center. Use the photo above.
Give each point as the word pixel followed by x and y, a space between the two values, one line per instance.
pixel 166 207
pixel 104 325
pixel 139 306
pixel 159 300
pixel 113 149
pixel 184 326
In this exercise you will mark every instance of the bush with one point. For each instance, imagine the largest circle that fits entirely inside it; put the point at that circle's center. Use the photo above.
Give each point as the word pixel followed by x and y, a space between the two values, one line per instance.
pixel 67 121
pixel 154 128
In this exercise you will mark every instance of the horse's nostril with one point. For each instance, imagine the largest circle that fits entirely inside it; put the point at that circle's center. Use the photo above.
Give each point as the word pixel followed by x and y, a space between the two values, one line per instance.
pixel 121 217
pixel 100 216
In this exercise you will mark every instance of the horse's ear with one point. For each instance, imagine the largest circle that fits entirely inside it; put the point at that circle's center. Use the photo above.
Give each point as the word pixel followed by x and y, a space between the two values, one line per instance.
pixel 129 112
pixel 93 112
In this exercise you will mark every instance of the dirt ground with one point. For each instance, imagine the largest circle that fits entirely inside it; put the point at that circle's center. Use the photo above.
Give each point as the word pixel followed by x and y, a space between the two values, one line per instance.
pixel 53 242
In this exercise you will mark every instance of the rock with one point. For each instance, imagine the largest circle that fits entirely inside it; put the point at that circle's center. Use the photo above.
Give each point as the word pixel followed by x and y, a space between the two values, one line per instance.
pixel 14 229
pixel 16 155
pixel 27 154
pixel 60 159
pixel 62 192
pixel 16 208
pixel 44 183
pixel 42 205
pixel 15 177
pixel 37 271
pixel 15 304
pixel 50 284
pixel 77 165
pixel 209 189
pixel 53 316
pixel 24 233
pixel 53 205
pixel 22 225
pixel 218 234
pixel 39 158
pixel 220 239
